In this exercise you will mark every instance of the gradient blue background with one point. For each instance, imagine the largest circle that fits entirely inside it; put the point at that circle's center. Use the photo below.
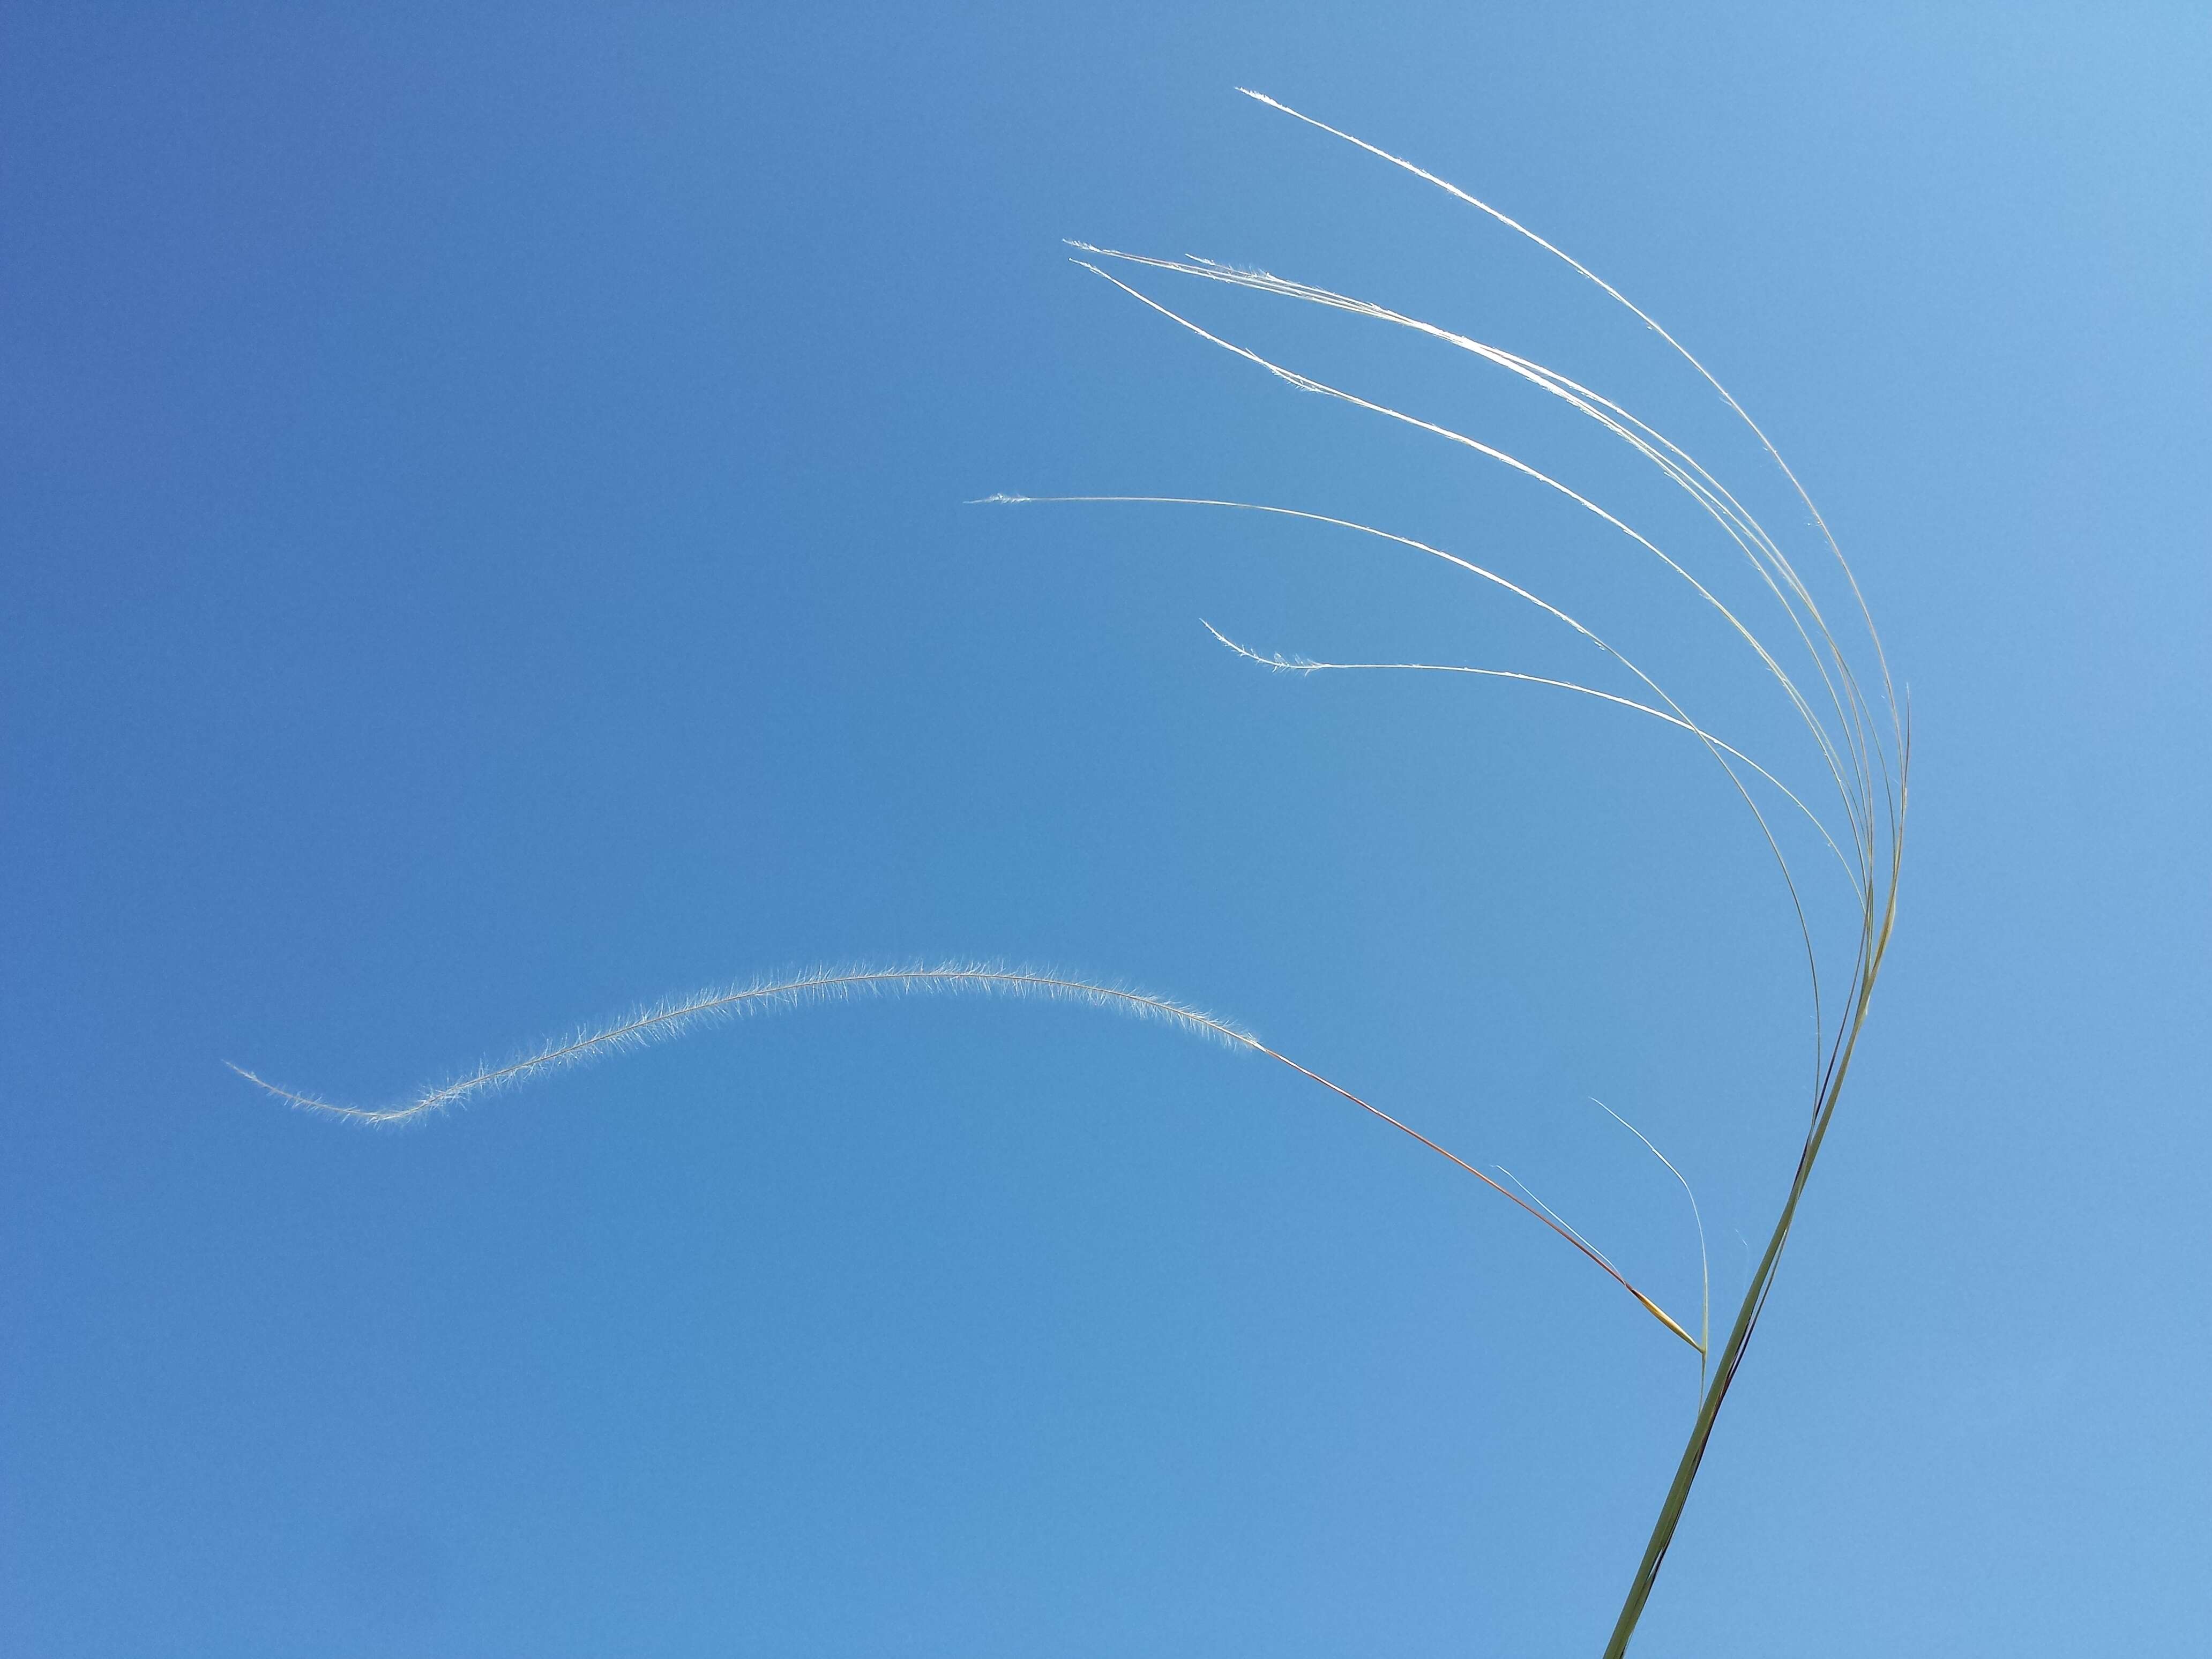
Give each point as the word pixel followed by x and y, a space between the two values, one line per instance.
pixel 481 497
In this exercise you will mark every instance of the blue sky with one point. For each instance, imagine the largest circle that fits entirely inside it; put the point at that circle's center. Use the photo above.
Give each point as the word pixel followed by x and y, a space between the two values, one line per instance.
pixel 484 494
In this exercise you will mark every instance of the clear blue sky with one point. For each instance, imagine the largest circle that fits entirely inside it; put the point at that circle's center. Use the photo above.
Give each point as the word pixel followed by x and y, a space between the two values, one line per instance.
pixel 482 492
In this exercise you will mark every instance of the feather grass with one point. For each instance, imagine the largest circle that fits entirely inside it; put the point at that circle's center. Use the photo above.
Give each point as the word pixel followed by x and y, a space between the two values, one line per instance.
pixel 1863 744
pixel 662 1021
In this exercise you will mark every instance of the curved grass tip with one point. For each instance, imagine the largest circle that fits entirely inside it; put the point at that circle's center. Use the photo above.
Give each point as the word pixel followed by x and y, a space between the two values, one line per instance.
pixel 674 1017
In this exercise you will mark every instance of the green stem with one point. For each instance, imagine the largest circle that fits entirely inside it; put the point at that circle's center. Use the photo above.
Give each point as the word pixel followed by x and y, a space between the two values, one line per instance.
pixel 1670 1512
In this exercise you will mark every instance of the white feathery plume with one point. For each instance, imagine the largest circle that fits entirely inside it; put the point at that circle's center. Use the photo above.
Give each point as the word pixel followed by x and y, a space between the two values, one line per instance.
pixel 663 1020
pixel 672 1018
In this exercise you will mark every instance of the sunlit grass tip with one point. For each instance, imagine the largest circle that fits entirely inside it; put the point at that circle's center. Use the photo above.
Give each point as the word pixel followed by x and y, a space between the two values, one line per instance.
pixel 672 1017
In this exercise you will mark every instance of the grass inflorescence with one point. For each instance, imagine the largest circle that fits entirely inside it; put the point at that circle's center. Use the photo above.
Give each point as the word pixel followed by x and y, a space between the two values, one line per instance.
pixel 1837 684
